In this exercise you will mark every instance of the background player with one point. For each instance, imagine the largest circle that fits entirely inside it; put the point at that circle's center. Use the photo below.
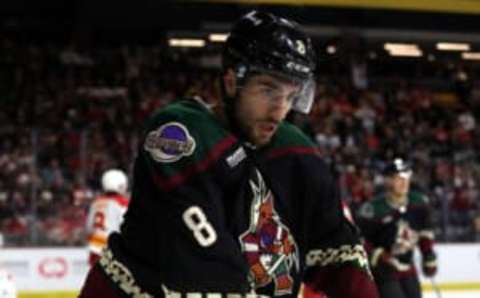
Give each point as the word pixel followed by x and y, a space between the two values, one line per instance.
pixel 394 224
pixel 106 212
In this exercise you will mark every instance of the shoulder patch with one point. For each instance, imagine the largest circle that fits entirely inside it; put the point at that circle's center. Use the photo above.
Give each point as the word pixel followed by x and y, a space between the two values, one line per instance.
pixel 169 143
pixel 237 157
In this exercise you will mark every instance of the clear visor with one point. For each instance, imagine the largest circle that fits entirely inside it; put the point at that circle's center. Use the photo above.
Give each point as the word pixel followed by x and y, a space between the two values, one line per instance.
pixel 303 100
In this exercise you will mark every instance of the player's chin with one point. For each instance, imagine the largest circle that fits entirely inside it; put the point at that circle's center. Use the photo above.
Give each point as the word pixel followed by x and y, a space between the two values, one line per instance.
pixel 260 136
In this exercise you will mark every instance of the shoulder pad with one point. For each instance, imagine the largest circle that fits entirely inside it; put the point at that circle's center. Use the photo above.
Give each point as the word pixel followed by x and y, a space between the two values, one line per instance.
pixel 180 130
pixel 418 198
pixel 290 135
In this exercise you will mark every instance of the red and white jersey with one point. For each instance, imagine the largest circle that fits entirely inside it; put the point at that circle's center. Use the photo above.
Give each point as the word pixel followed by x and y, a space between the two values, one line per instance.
pixel 105 216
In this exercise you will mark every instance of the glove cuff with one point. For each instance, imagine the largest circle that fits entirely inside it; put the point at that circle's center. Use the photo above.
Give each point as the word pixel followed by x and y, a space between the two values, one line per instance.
pixel 376 256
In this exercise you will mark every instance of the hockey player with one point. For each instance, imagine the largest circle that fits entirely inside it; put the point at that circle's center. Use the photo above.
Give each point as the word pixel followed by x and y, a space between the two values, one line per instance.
pixel 106 212
pixel 233 201
pixel 394 224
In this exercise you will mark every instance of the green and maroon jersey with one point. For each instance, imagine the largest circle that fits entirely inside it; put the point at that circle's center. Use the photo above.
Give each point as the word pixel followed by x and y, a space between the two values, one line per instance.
pixel 209 214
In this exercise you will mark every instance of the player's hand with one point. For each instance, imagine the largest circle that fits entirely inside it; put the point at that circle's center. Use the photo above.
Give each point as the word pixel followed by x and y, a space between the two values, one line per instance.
pixel 429 264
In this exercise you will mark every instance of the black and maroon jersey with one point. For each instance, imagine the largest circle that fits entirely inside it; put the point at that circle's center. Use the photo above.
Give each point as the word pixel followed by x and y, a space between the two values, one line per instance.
pixel 210 214
pixel 397 231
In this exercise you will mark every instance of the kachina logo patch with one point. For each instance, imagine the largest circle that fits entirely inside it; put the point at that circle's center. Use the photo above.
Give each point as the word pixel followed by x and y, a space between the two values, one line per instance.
pixel 268 246
pixel 169 143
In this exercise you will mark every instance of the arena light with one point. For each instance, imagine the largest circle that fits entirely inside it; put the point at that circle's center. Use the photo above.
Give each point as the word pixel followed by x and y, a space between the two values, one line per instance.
pixel 406 53
pixel 217 37
pixel 390 46
pixel 403 49
pixel 471 55
pixel 331 49
pixel 452 46
pixel 186 42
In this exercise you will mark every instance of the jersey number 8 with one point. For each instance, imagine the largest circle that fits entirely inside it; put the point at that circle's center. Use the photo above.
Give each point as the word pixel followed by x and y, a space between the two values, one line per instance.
pixel 196 221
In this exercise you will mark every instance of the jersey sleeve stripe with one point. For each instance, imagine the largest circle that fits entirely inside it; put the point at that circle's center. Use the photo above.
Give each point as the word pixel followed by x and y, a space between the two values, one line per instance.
pixel 169 183
pixel 302 150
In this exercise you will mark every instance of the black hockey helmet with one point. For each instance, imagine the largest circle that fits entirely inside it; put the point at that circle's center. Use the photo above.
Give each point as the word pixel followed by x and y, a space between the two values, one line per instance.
pixel 398 166
pixel 263 43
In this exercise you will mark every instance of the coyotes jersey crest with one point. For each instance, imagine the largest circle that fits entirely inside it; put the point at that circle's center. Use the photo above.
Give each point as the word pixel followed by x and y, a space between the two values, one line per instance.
pixel 268 246
pixel 406 238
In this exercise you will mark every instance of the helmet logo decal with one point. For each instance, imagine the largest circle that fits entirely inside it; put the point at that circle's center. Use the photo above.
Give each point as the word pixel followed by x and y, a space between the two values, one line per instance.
pixel 268 245
pixel 300 46
pixel 297 67
pixel 169 143
pixel 252 17
pixel 241 71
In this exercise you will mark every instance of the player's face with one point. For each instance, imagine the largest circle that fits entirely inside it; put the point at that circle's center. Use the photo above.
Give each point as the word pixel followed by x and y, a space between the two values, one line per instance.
pixel 399 185
pixel 262 105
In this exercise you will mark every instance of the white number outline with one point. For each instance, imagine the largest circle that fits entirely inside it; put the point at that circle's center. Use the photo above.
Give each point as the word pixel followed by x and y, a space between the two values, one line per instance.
pixel 197 222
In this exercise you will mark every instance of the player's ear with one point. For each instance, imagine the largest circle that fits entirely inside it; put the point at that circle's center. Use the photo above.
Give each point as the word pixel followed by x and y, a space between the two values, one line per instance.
pixel 230 82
